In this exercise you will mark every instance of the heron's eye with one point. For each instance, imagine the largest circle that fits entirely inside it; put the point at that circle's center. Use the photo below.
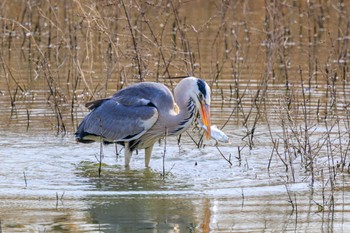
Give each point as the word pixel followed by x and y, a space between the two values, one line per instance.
pixel 200 96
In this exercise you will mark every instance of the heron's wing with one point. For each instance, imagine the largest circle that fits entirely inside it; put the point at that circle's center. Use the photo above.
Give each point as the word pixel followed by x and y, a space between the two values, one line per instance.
pixel 116 122
pixel 145 93
pixel 94 104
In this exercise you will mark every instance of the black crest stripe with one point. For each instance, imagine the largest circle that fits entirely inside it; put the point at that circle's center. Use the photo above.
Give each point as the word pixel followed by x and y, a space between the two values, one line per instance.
pixel 201 87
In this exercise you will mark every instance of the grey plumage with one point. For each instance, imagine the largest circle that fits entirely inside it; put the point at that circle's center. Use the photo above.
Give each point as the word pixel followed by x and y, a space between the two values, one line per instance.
pixel 138 115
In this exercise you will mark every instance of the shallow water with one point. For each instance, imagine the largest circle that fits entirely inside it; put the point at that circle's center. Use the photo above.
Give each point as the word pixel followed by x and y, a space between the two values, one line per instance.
pixel 279 77
pixel 52 184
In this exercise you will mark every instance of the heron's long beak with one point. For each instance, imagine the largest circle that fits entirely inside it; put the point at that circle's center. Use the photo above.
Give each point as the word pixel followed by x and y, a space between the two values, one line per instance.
pixel 205 114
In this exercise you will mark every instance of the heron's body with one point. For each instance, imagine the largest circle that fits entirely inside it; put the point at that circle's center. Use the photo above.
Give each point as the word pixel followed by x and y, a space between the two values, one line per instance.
pixel 138 115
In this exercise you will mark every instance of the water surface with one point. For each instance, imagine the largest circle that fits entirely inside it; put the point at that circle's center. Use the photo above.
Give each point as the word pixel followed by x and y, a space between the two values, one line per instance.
pixel 52 184
pixel 279 77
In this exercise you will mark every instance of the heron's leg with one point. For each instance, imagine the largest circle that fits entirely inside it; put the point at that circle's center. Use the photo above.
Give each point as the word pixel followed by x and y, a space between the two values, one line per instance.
pixel 148 153
pixel 127 154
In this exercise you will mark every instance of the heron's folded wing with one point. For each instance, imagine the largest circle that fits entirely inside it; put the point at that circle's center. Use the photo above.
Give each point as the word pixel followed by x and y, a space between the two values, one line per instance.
pixel 94 104
pixel 116 122
pixel 132 100
pixel 144 93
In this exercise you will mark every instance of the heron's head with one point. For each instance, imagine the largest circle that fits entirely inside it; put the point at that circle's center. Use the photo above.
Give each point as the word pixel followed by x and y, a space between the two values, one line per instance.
pixel 200 94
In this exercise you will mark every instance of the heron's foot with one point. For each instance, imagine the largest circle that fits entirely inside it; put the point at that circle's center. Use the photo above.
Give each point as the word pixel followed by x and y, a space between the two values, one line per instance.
pixel 127 168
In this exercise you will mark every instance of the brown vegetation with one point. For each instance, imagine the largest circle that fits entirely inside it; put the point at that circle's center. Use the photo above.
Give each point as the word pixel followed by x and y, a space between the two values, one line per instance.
pixel 282 65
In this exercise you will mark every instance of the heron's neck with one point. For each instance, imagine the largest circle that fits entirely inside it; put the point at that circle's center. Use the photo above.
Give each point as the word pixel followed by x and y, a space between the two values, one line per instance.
pixel 183 119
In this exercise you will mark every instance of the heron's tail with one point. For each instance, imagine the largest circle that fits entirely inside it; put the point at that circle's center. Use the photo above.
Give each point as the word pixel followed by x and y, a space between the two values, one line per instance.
pixel 82 136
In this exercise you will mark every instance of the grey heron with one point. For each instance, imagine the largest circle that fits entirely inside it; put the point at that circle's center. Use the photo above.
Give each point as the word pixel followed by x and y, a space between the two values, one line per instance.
pixel 138 115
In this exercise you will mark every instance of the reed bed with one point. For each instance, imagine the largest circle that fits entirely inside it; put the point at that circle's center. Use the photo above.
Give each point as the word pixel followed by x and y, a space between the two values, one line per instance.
pixel 276 65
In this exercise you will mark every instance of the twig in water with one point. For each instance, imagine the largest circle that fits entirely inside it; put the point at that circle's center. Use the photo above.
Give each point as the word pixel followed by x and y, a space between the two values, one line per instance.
pixel 290 197
pixel 117 153
pixel 193 140
pixel 166 132
pixel 242 198
pixel 239 157
pixel 61 199
pixel 228 160
pixel 101 151
pixel 320 208
pixel 100 159
pixel 166 174
pixel 56 200
pixel 28 119
pixel 25 181
pixel 273 149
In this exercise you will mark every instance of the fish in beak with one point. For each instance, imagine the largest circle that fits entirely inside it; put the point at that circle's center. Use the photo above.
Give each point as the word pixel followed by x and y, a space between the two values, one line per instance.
pixel 205 115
